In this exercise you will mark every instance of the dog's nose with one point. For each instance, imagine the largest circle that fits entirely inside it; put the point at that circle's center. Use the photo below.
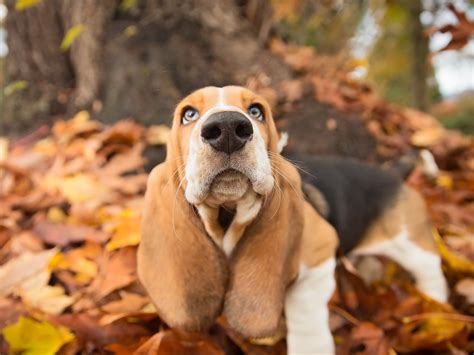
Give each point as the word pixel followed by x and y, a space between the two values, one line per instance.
pixel 227 131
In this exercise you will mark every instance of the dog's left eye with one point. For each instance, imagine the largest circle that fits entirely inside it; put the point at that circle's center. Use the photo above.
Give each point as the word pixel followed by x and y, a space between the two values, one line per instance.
pixel 190 115
pixel 255 112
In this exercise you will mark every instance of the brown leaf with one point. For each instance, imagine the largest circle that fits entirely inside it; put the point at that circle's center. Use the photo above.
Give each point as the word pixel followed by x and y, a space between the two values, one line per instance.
pixel 170 342
pixel 465 288
pixel 63 234
pixel 128 303
pixel 116 271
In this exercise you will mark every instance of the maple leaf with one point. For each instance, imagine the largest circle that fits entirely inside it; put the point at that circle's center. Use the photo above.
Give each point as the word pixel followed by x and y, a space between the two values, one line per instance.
pixel 33 337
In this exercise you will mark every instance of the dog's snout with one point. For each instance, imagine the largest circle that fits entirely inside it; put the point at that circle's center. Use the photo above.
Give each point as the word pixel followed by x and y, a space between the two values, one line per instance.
pixel 227 131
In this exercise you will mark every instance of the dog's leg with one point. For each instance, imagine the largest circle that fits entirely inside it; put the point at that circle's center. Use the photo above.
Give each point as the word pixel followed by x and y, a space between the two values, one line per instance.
pixel 307 313
pixel 424 265
pixel 246 211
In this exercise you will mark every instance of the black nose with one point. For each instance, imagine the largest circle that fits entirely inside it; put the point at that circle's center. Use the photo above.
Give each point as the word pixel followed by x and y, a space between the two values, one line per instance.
pixel 227 131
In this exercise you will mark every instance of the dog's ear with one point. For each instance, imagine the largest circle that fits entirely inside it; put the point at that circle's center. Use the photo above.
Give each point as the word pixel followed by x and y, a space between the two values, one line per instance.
pixel 266 259
pixel 180 267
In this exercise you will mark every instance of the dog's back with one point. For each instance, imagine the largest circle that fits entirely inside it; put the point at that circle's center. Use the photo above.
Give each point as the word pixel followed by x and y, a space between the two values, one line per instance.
pixel 356 193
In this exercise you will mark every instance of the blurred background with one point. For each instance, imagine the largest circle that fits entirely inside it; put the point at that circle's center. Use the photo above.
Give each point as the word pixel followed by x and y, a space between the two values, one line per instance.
pixel 311 59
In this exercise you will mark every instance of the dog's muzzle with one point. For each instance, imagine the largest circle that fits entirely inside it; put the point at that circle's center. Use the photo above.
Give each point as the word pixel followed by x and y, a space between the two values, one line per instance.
pixel 227 131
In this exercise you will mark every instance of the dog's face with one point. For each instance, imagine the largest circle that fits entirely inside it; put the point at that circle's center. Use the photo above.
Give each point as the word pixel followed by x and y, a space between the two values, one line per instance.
pixel 226 137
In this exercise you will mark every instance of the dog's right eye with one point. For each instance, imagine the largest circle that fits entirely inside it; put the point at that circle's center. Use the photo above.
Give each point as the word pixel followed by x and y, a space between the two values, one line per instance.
pixel 189 115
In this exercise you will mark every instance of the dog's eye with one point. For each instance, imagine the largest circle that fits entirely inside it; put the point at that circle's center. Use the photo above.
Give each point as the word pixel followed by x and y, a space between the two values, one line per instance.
pixel 255 111
pixel 190 114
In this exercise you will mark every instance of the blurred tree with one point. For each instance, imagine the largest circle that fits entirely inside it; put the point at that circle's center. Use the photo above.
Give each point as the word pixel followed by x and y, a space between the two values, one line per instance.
pixel 399 65
pixel 129 58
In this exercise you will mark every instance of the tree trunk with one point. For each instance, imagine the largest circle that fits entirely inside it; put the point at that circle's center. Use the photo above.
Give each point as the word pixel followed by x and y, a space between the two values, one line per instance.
pixel 134 63
pixel 419 68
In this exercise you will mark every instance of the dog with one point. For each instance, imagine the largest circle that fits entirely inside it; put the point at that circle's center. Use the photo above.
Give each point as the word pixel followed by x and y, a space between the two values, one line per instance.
pixel 226 228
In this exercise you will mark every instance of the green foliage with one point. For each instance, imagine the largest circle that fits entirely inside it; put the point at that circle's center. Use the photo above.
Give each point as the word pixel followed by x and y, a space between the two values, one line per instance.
pixel 462 118
pixel 320 25
pixel 392 59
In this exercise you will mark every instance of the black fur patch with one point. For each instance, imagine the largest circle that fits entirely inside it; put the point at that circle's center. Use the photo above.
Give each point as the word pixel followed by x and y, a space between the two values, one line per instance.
pixel 357 193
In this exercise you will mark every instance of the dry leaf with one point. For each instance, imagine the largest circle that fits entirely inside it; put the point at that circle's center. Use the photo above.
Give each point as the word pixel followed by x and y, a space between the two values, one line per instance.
pixel 117 272
pixel 128 303
pixel 36 337
pixel 36 293
pixel 23 267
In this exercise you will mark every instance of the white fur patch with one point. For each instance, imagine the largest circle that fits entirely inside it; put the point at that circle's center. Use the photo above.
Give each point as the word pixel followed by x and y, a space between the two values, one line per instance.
pixel 424 266
pixel 246 211
pixel 430 168
pixel 307 313
pixel 283 141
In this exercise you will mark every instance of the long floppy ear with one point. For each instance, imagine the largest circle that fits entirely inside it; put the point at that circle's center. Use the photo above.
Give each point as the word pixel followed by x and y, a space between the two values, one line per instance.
pixel 180 267
pixel 266 259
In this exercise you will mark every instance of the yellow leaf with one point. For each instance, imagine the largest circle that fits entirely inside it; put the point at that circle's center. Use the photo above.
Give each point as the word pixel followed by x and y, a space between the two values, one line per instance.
pixel 76 261
pixel 125 227
pixel 15 86
pixel 81 188
pixel 33 337
pixel 445 181
pixel 454 261
pixel 126 5
pixel 71 36
pixel 24 4
pixel 56 215
pixel 358 62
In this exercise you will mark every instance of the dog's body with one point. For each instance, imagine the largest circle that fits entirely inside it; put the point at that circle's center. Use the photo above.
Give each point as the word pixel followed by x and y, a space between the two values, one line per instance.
pixel 226 228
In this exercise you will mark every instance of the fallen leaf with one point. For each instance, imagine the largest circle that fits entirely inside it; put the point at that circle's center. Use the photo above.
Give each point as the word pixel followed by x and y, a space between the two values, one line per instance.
pixel 117 271
pixel 21 268
pixel 71 36
pixel 465 288
pixel 86 327
pixel 34 337
pixel 36 293
pixel 21 5
pixel 64 234
pixel 129 302
pixel 454 261
pixel 427 137
pixel 124 227
pixel 170 342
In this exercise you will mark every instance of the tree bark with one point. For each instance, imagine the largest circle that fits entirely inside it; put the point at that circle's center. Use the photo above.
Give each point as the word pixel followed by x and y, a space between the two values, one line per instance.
pixel 419 68
pixel 135 63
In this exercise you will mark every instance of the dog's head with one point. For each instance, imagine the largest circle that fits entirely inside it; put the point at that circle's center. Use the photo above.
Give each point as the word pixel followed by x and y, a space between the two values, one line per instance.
pixel 224 139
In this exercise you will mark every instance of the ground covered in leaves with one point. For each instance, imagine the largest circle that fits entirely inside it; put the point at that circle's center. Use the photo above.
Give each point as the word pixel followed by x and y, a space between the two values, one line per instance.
pixel 71 197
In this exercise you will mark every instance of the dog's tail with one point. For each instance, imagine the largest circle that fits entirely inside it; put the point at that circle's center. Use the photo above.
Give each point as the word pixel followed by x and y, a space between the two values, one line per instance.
pixel 405 165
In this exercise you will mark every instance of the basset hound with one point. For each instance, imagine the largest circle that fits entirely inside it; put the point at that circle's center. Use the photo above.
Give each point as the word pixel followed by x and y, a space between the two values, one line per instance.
pixel 226 228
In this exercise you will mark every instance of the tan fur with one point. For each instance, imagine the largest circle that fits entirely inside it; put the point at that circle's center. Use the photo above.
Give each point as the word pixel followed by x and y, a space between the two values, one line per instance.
pixel 184 273
pixel 266 260
pixel 319 240
pixel 408 209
